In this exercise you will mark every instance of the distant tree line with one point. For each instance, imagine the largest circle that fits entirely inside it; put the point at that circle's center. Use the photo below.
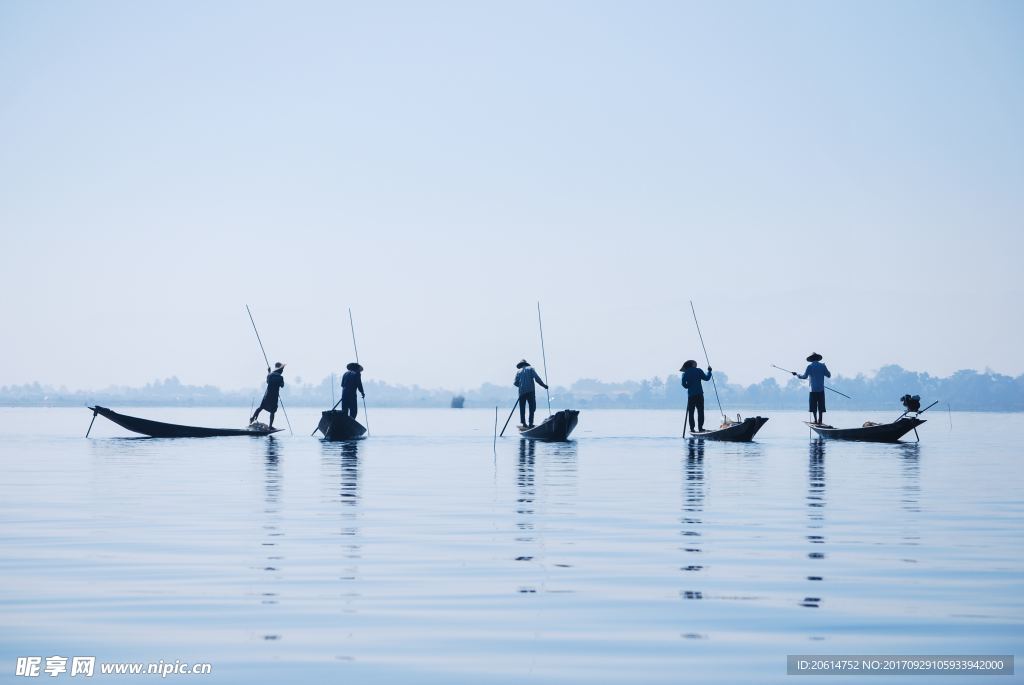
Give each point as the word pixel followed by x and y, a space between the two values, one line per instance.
pixel 964 390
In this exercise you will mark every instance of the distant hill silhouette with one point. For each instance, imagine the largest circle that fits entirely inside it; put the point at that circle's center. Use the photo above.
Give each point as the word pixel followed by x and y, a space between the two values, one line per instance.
pixel 967 390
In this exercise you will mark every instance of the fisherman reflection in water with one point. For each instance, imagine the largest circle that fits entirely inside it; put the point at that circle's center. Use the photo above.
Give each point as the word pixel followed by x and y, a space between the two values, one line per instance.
pixel 351 382
pixel 525 379
pixel 275 381
pixel 817 373
pixel 692 377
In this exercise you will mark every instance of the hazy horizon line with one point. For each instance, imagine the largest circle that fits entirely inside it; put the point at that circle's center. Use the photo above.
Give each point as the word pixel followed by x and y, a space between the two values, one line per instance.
pixel 300 382
pixel 967 388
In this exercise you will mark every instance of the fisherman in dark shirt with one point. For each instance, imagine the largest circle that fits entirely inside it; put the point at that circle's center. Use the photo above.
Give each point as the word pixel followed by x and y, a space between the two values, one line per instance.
pixel 692 377
pixel 817 373
pixel 351 381
pixel 525 379
pixel 275 381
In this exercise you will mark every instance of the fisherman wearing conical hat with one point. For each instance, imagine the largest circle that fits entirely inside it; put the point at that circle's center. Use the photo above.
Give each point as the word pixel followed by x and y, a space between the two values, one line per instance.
pixel 817 373
pixel 525 379
pixel 351 381
pixel 275 381
pixel 692 377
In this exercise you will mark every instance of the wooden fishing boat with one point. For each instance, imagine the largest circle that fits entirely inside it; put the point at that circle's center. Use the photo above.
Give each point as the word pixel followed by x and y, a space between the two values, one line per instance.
pixel 555 428
pixel 158 429
pixel 742 431
pixel 337 425
pixel 870 432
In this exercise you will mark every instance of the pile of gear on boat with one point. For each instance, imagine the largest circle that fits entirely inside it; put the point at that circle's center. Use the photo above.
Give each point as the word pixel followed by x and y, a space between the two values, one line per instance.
pixel 341 424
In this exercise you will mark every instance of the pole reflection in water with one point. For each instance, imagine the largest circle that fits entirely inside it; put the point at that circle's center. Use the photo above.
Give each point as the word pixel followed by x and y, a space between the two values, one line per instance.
pixel 560 478
pixel 560 474
pixel 692 514
pixel 272 484
pixel 815 515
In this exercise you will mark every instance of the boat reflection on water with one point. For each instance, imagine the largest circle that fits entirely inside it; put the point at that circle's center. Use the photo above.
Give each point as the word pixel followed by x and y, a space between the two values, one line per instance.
pixel 546 553
pixel 272 484
pixel 910 454
pixel 815 518
pixel 348 462
pixel 340 464
pixel 526 490
pixel 341 461
pixel 526 493
pixel 272 557
pixel 692 521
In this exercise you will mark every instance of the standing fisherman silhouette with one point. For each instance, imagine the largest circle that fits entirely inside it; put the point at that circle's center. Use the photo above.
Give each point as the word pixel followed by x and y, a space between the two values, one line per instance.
pixel 692 377
pixel 817 373
pixel 525 379
pixel 275 381
pixel 351 381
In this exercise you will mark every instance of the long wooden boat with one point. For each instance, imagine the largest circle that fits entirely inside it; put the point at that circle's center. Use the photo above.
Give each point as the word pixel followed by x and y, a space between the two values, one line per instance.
pixel 337 425
pixel 744 431
pixel 555 428
pixel 158 429
pixel 879 432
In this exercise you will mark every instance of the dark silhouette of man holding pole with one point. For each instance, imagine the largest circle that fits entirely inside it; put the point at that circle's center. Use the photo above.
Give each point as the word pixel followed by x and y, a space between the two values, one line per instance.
pixel 817 373
pixel 692 377
pixel 525 379
pixel 275 381
pixel 351 382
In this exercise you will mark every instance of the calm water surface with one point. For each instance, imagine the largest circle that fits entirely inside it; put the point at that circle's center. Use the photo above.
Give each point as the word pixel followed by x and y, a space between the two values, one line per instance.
pixel 425 554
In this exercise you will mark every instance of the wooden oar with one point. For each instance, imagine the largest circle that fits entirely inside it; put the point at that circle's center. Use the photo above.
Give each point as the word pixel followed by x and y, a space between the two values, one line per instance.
pixel 502 433
pixel 826 387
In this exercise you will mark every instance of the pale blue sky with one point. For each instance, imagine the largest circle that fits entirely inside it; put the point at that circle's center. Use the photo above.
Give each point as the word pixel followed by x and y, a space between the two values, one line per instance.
pixel 845 178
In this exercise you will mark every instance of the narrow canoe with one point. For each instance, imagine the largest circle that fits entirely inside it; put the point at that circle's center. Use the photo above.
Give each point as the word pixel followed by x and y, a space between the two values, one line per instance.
pixel 737 432
pixel 556 428
pixel 883 432
pixel 158 429
pixel 337 425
